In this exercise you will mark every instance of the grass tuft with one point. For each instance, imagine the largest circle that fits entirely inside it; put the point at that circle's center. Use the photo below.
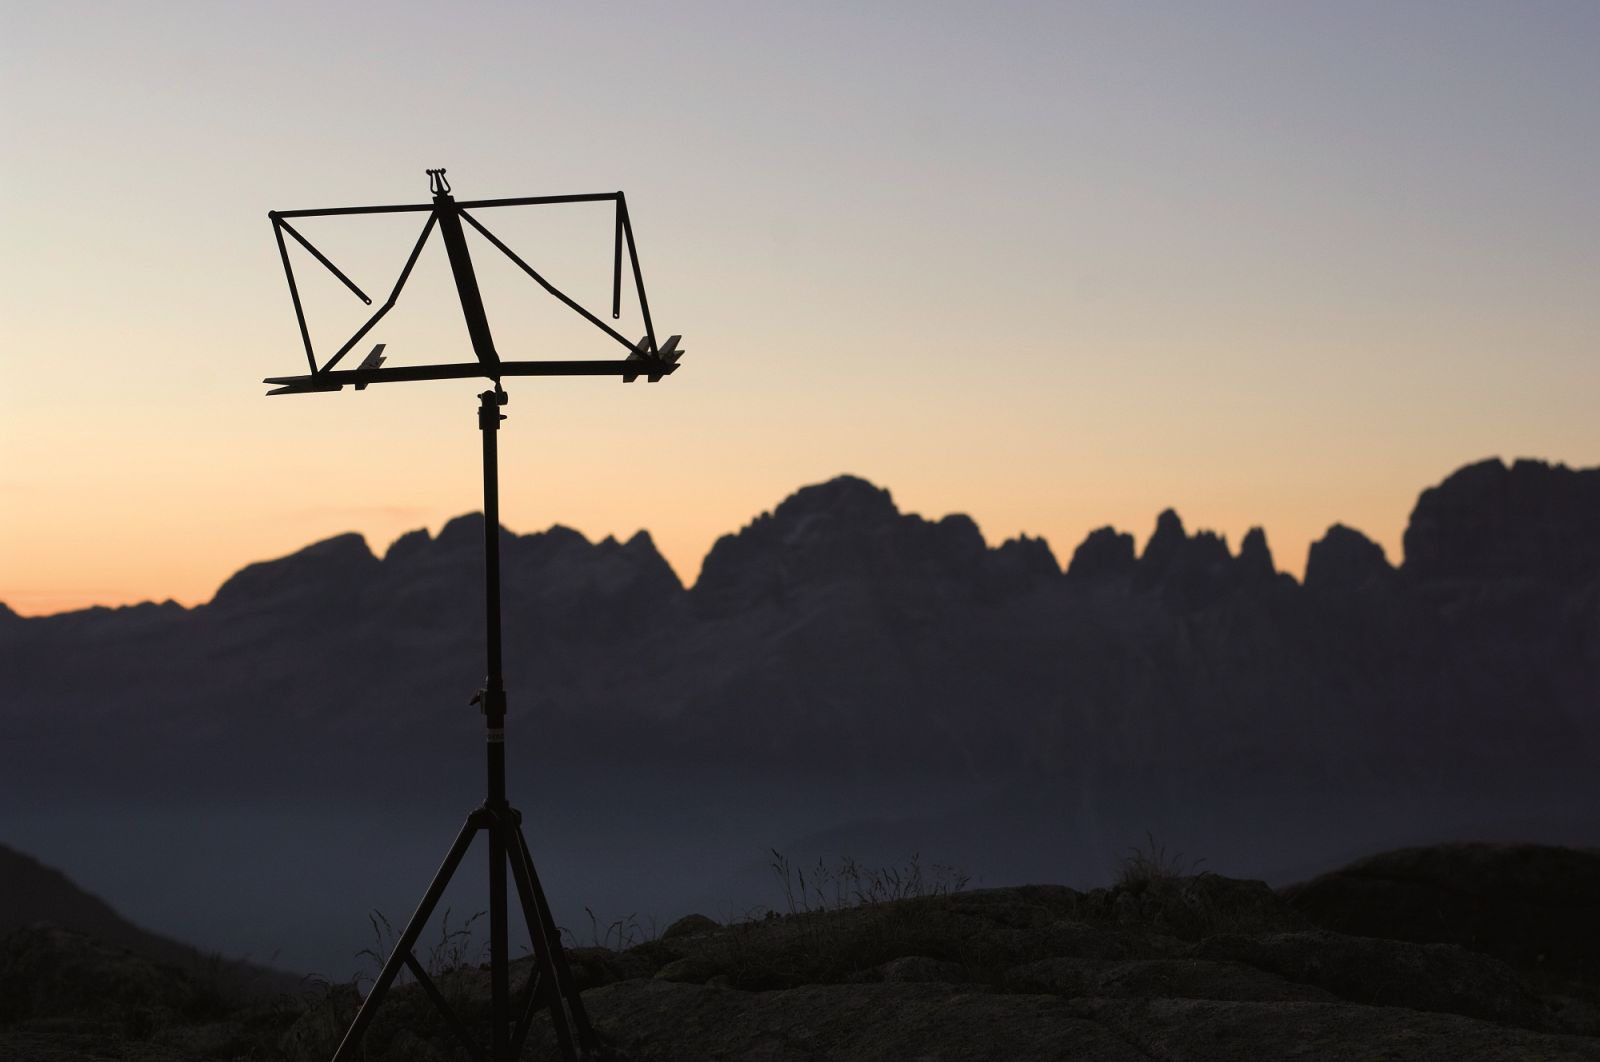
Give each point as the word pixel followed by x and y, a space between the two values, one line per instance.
pixel 1149 863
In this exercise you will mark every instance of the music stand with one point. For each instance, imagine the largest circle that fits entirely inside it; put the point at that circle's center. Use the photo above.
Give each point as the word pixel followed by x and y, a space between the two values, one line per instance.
pixel 550 983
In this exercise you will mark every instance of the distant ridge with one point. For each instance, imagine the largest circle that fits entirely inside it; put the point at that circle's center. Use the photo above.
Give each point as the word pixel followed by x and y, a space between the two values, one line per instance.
pixel 836 629
pixel 1530 517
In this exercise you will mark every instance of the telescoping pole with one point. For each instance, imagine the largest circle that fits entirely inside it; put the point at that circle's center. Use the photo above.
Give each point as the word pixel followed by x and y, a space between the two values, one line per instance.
pixel 493 699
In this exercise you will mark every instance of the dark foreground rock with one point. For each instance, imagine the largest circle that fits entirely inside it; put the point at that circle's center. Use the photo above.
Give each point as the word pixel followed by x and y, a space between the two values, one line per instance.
pixel 1524 903
pixel 1391 973
pixel 1161 967
pixel 655 1022
pixel 65 996
pixel 1197 1030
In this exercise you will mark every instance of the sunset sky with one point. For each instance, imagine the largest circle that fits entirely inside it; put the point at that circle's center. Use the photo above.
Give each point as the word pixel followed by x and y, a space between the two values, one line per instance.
pixel 1055 265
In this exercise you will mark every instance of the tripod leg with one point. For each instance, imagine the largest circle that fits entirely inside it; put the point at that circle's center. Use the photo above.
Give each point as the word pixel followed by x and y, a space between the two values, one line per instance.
pixel 538 988
pixel 408 940
pixel 544 980
pixel 543 926
pixel 499 952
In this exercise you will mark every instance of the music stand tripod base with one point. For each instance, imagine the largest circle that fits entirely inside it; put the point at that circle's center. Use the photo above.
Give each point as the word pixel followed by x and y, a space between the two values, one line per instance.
pixel 550 983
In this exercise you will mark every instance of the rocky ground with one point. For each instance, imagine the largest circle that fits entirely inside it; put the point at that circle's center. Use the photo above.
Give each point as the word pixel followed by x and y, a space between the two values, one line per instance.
pixel 1461 952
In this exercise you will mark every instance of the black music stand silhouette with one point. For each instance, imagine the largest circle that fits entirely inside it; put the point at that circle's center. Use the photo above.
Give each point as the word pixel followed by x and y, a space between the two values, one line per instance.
pixel 550 983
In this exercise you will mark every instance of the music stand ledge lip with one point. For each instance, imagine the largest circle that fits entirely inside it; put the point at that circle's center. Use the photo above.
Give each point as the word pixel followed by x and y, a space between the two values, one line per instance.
pixel 629 369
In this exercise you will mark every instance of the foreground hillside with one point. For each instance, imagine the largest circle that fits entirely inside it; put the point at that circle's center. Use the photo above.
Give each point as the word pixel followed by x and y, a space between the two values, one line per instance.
pixel 1403 956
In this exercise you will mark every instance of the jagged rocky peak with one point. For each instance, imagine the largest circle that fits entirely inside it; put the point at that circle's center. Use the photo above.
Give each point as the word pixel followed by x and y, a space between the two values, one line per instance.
pixel 1490 521
pixel 641 543
pixel 1017 566
pixel 465 532
pixel 459 542
pixel 556 545
pixel 739 564
pixel 831 518
pixel 1209 548
pixel 952 542
pixel 641 552
pixel 334 568
pixel 847 498
pixel 843 530
pixel 408 547
pixel 1254 563
pixel 1026 555
pixel 1345 559
pixel 1106 554
pixel 590 585
pixel 564 558
pixel 1166 542
pixel 1191 571
pixel 559 557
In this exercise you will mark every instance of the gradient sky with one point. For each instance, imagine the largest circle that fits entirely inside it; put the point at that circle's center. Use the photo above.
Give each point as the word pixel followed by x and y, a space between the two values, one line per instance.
pixel 1055 265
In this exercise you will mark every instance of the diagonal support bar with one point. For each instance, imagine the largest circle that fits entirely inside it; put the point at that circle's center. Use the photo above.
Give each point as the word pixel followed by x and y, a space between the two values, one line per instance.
pixel 530 1007
pixel 405 274
pixel 319 256
pixel 466 278
pixel 571 303
pixel 616 265
pixel 638 276
pixel 542 927
pixel 294 292
pixel 408 940
pixel 544 951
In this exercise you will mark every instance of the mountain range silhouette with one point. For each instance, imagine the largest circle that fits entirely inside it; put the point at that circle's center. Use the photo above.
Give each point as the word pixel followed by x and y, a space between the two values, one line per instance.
pixel 839 633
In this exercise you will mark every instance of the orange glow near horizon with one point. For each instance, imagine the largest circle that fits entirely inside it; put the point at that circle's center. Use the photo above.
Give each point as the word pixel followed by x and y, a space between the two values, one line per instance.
pixel 78 574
